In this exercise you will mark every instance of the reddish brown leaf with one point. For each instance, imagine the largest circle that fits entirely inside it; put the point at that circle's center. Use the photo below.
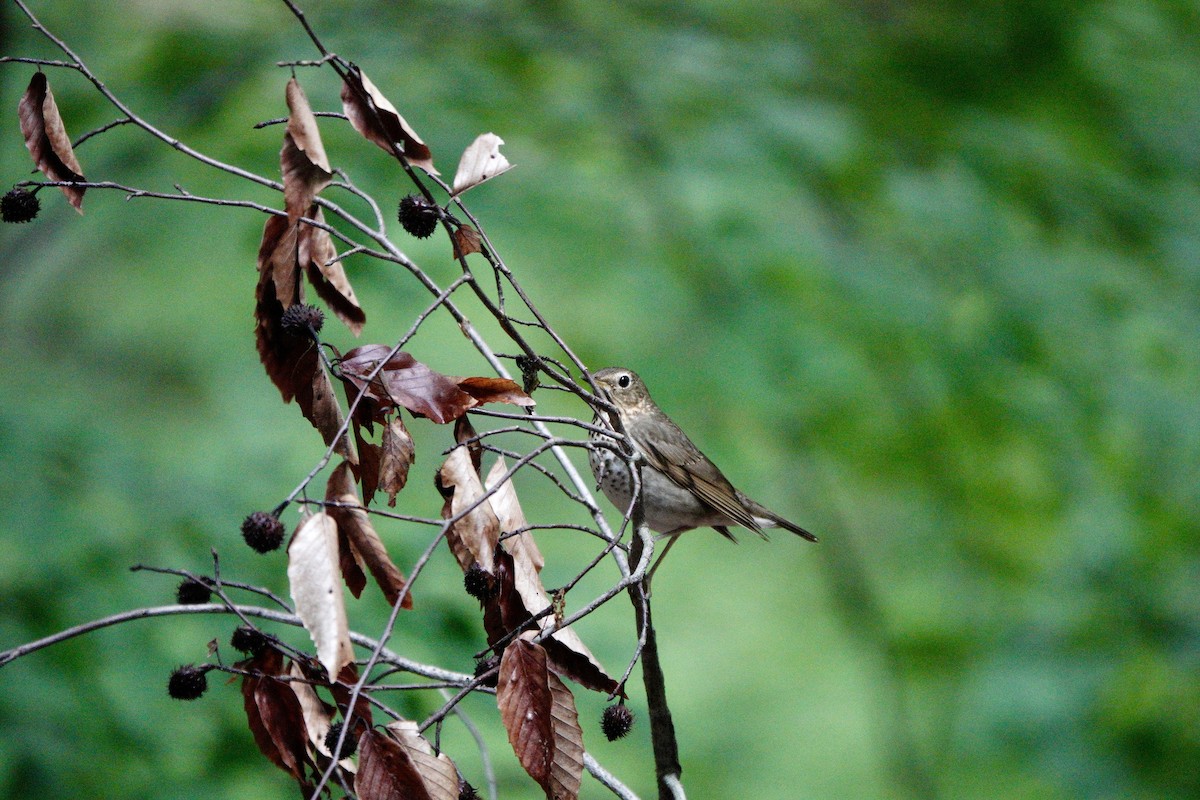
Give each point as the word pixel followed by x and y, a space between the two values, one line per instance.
pixel 481 161
pixel 438 772
pixel 47 138
pixel 274 714
pixel 405 382
pixel 467 241
pixel 385 771
pixel 396 457
pixel 474 536
pixel 356 524
pixel 526 708
pixel 327 276
pixel 302 160
pixel 496 390
pixel 377 119
pixel 313 569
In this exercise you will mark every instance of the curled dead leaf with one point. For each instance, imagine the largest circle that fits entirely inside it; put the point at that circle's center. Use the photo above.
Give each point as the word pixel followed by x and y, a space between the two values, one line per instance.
pixel 353 520
pixel 403 381
pixel 275 714
pixel 373 116
pixel 397 455
pixel 319 258
pixel 473 537
pixel 47 139
pixel 302 160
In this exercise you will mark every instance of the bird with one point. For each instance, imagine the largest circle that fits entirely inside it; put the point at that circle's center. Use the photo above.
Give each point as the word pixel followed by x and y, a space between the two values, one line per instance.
pixel 681 488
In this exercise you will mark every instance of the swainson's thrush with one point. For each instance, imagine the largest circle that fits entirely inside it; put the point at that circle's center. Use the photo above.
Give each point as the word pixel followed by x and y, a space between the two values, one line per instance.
pixel 681 488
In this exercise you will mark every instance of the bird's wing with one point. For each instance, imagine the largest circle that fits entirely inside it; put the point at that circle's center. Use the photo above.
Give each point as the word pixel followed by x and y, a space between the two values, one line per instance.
pixel 686 466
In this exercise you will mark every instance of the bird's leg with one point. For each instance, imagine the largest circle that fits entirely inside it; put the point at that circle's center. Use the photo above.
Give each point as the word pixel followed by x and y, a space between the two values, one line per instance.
pixel 671 538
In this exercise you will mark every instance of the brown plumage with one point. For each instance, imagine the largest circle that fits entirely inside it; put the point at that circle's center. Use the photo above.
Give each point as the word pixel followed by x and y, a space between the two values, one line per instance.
pixel 682 489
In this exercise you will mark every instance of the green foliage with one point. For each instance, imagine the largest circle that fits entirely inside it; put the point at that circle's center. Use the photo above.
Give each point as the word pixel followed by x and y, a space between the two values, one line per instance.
pixel 922 278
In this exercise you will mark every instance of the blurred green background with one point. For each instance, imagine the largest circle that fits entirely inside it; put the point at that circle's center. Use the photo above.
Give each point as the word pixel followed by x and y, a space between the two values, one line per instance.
pixel 924 277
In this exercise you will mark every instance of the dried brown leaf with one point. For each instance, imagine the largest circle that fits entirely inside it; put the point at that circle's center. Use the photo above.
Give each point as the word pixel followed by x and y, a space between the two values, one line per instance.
pixel 327 275
pixel 526 708
pixel 373 116
pixel 47 138
pixel 466 241
pixel 566 649
pixel 396 457
pixel 274 713
pixel 481 161
pixel 302 159
pixel 566 769
pixel 318 715
pixel 405 382
pixel 437 771
pixel 356 524
pixel 313 571
pixel 496 390
pixel 385 771
pixel 474 536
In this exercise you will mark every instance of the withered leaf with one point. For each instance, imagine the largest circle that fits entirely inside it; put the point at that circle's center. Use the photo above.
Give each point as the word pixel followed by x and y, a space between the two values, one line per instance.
pixel 564 646
pixel 274 713
pixel 356 524
pixel 405 382
pixel 318 715
pixel 539 715
pixel 385 771
pixel 437 771
pixel 481 161
pixel 47 139
pixel 302 160
pixel 473 537
pixel 373 116
pixel 327 275
pixel 496 390
pixel 566 769
pixel 466 241
pixel 292 362
pixel 396 457
pixel 313 570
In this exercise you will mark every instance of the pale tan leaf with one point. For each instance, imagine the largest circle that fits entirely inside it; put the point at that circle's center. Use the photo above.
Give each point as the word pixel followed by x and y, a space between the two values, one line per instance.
pixel 373 116
pixel 526 708
pixel 481 161
pixel 574 658
pixel 313 576
pixel 302 159
pixel 473 537
pixel 437 771
pixel 47 139
pixel 566 769
pixel 397 456
pixel 356 524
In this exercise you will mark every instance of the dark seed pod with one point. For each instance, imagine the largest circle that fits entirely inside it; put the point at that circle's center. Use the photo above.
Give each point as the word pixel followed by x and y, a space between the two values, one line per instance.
pixel 262 531
pixel 248 640
pixel 193 593
pixel 187 682
pixel 302 320
pixel 485 665
pixel 19 205
pixel 417 216
pixel 478 583
pixel 466 791
pixel 616 721
pixel 331 739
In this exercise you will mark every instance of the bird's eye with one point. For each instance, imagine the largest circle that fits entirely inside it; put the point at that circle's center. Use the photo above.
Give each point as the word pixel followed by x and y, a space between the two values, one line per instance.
pixel 623 381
